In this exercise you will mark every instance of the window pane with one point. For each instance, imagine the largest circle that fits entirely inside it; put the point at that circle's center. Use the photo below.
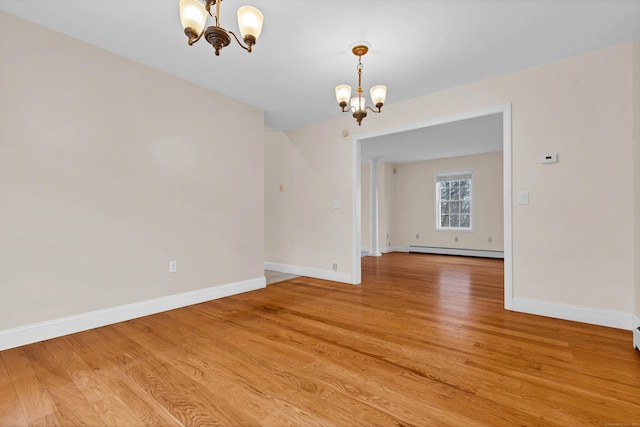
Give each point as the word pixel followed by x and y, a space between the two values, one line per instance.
pixel 444 208
pixel 444 194
pixel 445 184
pixel 464 193
pixel 465 183
pixel 454 221
pixel 454 184
pixel 444 221
pixel 464 221
pixel 454 194
pixel 465 207
pixel 454 207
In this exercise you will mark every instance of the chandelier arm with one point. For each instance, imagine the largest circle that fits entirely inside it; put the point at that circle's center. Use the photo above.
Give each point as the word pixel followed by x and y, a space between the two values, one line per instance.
pixel 248 49
pixel 374 111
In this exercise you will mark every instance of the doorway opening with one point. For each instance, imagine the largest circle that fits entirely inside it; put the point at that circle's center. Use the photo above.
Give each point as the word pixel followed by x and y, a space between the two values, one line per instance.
pixel 504 112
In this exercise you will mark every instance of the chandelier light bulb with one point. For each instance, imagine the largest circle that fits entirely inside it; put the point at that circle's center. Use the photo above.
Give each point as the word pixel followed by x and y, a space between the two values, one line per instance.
pixel 358 103
pixel 343 93
pixel 193 17
pixel 378 95
pixel 250 21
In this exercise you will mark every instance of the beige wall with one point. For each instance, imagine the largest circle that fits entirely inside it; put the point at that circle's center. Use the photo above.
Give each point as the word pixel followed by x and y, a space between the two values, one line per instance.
pixel 569 247
pixel 385 204
pixel 302 227
pixel 415 198
pixel 636 169
pixel 365 212
pixel 109 170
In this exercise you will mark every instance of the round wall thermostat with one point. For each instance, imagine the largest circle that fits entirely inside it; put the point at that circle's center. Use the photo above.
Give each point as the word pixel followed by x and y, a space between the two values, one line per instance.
pixel 345 133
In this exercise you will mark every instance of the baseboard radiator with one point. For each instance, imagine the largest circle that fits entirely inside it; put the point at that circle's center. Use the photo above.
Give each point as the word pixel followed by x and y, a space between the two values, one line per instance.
pixel 481 253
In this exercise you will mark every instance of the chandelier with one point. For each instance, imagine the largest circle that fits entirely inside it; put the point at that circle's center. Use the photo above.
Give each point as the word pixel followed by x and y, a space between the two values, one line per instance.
pixel 193 15
pixel 358 103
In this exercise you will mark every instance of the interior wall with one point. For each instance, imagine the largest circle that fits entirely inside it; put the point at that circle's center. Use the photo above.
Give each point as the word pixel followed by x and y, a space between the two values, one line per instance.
pixel 302 226
pixel 109 170
pixel 385 204
pixel 365 210
pixel 415 203
pixel 568 248
pixel 636 170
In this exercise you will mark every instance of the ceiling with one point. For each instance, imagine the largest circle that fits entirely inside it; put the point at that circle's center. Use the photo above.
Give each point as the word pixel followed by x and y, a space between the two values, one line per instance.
pixel 418 46
pixel 464 137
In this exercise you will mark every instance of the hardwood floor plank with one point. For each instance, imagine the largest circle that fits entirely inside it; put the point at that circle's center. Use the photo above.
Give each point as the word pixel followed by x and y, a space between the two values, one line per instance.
pixel 31 393
pixel 72 408
pixel 423 341
pixel 11 413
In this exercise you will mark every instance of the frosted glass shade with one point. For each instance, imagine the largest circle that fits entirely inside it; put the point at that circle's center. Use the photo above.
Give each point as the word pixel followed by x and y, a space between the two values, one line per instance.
pixel 250 21
pixel 343 93
pixel 193 15
pixel 378 94
pixel 358 103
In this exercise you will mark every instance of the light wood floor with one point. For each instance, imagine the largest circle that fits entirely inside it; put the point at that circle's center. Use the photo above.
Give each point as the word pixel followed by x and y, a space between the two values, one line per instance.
pixel 424 341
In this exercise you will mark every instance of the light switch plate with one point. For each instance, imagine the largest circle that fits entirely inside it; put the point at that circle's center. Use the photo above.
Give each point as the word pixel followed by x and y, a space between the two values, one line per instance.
pixel 523 198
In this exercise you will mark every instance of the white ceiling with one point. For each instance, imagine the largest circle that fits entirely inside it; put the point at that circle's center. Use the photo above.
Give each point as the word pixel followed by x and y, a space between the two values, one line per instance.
pixel 471 136
pixel 418 46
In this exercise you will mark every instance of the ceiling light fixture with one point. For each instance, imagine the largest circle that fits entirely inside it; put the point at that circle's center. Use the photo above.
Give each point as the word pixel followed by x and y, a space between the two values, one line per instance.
pixel 193 15
pixel 358 103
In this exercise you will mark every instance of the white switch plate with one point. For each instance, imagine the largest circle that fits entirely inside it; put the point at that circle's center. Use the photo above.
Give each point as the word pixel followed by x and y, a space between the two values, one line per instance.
pixel 337 204
pixel 523 198
pixel 173 266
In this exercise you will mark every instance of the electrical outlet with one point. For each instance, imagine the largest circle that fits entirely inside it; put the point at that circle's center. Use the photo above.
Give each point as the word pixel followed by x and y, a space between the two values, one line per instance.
pixel 417 236
pixel 335 267
pixel 173 266
pixel 455 239
pixel 490 239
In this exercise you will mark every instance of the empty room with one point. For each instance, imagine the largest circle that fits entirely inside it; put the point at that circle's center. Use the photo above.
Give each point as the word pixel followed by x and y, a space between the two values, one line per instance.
pixel 425 179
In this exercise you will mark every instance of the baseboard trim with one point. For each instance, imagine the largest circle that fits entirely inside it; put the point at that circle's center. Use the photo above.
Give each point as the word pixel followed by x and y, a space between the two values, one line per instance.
pixel 398 249
pixel 482 253
pixel 316 273
pixel 576 313
pixel 364 251
pixel 28 334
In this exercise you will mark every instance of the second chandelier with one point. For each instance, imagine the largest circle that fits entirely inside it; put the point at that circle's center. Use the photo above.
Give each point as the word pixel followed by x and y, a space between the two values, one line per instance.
pixel 358 103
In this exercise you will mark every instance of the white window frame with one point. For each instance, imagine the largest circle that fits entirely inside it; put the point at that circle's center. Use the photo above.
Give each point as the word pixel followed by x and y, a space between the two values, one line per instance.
pixel 455 175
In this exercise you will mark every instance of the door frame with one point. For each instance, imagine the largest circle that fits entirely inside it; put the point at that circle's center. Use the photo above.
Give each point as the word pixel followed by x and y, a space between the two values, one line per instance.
pixel 505 109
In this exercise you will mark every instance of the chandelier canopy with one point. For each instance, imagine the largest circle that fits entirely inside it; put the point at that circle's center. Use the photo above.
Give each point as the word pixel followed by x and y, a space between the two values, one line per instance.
pixel 358 105
pixel 193 15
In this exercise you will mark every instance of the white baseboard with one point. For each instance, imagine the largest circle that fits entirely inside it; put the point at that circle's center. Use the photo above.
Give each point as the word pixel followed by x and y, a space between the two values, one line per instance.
pixel 316 273
pixel 364 251
pixel 396 249
pixel 576 313
pixel 28 334
pixel 453 251
pixel 636 332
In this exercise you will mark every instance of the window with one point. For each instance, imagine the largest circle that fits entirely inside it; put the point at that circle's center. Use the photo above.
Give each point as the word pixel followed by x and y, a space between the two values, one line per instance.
pixel 453 200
